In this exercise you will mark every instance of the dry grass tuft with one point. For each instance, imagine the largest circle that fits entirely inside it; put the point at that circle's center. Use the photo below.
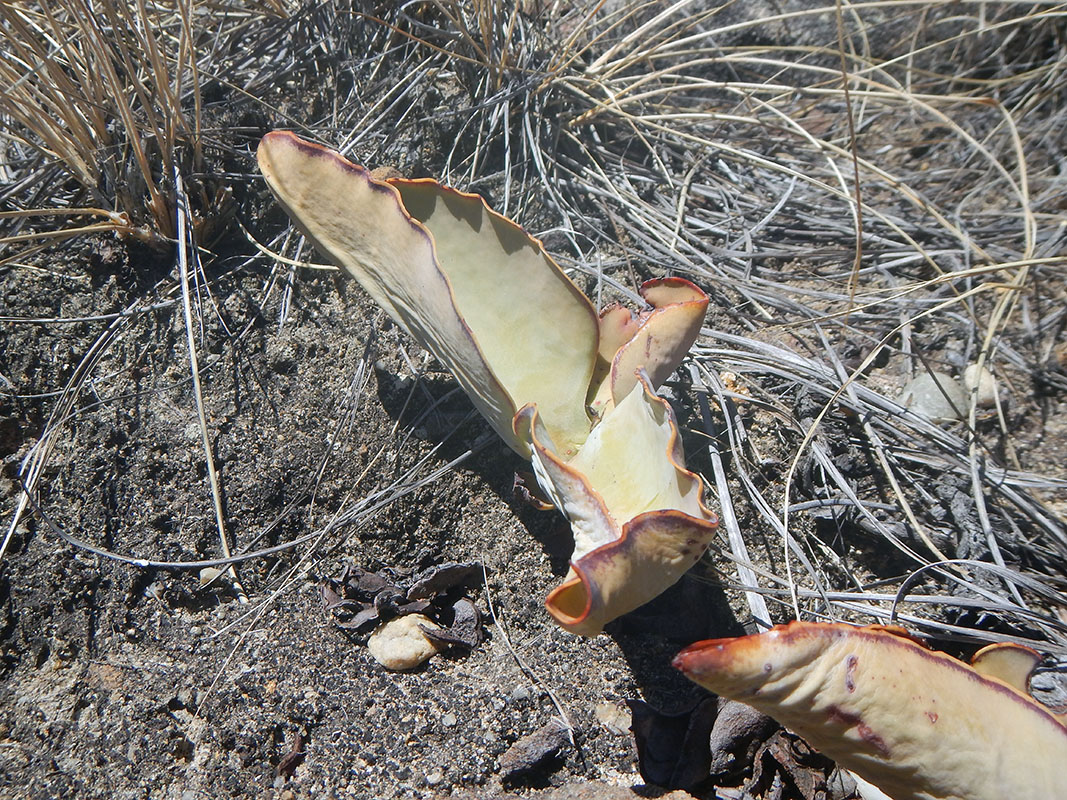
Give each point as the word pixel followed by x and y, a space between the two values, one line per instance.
pixel 107 95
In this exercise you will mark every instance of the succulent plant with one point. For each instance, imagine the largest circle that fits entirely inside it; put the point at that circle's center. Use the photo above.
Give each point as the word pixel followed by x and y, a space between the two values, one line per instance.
pixel 918 724
pixel 567 388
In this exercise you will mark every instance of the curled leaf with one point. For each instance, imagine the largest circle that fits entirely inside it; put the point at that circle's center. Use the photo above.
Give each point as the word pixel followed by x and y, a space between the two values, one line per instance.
pixel 655 341
pixel 442 577
pixel 637 514
pixel 469 285
pixel 918 724
pixel 485 298
pixel 533 326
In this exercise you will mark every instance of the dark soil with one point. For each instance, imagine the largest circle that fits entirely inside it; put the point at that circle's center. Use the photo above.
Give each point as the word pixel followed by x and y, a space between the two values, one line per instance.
pixel 128 682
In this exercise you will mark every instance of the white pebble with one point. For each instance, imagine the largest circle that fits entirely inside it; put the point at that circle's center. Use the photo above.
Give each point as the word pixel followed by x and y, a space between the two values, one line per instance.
pixel 985 382
pixel 935 395
pixel 209 575
pixel 401 644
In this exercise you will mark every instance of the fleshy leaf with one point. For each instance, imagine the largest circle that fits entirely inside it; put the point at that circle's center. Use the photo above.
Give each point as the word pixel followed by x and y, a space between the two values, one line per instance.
pixel 633 459
pixel 535 327
pixel 655 341
pixel 917 724
pixel 469 285
pixel 484 298
pixel 1010 663
pixel 638 519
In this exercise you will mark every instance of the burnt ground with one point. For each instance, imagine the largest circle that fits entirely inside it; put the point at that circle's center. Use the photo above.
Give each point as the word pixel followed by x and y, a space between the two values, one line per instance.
pixel 129 682
pixel 329 428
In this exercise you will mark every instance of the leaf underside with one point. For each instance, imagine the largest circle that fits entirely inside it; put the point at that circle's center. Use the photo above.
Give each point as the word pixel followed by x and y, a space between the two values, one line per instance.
pixel 918 724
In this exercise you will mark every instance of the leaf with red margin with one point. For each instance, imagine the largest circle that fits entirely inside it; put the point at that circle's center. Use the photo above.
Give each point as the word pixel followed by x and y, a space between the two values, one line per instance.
pixel 485 298
pixel 638 518
pixel 469 285
pixel 918 724
pixel 656 340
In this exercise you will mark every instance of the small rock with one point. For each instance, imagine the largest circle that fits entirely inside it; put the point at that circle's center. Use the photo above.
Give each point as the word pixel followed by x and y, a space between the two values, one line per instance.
pixel 982 380
pixel 841 784
pixel 615 719
pixel 208 575
pixel 1049 685
pixel 529 751
pixel 935 395
pixel 400 643
pixel 434 778
pixel 735 737
pixel 449 720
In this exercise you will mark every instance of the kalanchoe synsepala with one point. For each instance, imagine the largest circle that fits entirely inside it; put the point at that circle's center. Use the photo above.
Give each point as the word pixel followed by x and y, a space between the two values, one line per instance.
pixel 638 518
pixel 568 388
